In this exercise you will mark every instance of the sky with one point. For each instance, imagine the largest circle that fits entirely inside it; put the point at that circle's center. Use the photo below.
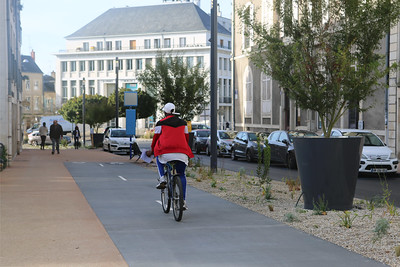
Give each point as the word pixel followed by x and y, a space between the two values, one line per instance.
pixel 45 23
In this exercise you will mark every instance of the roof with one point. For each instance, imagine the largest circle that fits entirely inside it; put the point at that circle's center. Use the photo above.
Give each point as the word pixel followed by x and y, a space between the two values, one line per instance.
pixel 177 17
pixel 29 65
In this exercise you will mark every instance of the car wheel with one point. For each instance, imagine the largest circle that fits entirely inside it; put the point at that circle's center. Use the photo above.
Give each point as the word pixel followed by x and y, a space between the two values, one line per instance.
pixel 109 148
pixel 34 143
pixel 291 161
pixel 208 151
pixel 248 156
pixel 233 155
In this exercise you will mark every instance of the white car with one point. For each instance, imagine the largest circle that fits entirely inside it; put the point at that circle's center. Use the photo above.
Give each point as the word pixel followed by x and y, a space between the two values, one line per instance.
pixel 34 139
pixel 376 156
pixel 117 140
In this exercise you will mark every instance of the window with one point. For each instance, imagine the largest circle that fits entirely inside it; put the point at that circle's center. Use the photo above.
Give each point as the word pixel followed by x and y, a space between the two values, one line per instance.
pixel 85 46
pixel 167 43
pixel 230 65
pixel 99 46
pixel 120 64
pixel 139 64
pixel 189 62
pixel 129 64
pixel 28 85
pixel 266 91
pixel 108 45
pixel 157 43
pixel 110 64
pixel 91 65
pixel 118 45
pixel 73 65
pixel 64 93
pixel 64 67
pixel 225 64
pixel 73 88
pixel 221 43
pixel 132 44
pixel 81 65
pixel 147 44
pixel 149 62
pixel 200 61
pixel 248 91
pixel 28 101
pixel 229 45
pixel 182 41
pixel 246 30
pixel 91 88
pixel 220 63
pixel 100 65
pixel 36 86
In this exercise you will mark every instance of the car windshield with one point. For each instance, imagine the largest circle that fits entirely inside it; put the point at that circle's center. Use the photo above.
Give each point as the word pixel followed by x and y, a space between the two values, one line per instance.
pixel 369 140
pixel 203 133
pixel 119 133
pixel 252 136
pixel 224 135
pixel 299 134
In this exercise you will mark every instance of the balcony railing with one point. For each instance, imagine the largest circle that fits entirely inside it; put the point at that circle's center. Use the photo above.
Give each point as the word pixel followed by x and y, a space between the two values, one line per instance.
pixel 225 99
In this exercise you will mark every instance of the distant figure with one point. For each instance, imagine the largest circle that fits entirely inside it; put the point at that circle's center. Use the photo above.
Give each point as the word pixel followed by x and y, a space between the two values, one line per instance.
pixel 56 133
pixel 227 125
pixel 76 134
pixel 43 131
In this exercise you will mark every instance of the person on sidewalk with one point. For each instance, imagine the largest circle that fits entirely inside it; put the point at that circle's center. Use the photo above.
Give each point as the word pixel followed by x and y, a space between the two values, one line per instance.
pixel 43 131
pixel 56 133
pixel 171 143
pixel 76 134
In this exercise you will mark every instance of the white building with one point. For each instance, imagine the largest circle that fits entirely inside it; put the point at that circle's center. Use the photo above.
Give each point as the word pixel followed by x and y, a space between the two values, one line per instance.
pixel 136 35
pixel 10 77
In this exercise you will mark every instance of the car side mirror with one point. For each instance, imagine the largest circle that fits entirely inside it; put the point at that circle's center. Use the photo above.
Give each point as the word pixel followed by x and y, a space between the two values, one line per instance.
pixel 285 141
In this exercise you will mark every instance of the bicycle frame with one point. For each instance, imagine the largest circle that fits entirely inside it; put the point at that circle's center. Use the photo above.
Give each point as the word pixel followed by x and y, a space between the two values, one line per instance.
pixel 173 192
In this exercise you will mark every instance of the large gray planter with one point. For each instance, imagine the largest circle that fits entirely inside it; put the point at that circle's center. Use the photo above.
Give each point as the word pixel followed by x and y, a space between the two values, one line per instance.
pixel 328 168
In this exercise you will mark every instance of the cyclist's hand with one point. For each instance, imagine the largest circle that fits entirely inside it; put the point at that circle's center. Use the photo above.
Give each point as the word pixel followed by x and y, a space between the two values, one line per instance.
pixel 149 153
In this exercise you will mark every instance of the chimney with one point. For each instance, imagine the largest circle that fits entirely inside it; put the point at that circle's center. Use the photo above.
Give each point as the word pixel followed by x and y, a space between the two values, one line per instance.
pixel 33 55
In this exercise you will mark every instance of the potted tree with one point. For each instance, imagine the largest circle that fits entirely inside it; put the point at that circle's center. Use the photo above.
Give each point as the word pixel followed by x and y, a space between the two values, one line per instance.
pixel 323 53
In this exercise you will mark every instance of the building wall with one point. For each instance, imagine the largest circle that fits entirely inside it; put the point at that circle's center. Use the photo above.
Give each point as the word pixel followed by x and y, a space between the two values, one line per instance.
pixel 392 134
pixel 32 97
pixel 10 77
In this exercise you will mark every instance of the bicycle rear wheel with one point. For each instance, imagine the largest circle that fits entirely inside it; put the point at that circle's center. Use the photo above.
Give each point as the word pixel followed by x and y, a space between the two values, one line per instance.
pixel 177 198
pixel 166 195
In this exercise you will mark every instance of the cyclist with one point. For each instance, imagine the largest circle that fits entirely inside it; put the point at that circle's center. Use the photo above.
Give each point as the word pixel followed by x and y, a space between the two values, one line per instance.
pixel 170 143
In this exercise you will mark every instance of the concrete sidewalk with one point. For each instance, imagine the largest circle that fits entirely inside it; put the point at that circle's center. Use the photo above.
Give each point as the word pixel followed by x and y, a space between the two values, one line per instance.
pixel 45 219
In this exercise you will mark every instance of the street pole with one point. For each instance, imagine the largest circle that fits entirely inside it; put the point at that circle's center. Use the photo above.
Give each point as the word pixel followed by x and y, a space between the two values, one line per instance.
pixel 116 92
pixel 213 82
pixel 83 112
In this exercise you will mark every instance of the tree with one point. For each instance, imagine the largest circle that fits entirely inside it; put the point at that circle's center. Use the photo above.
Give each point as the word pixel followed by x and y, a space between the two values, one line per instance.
pixel 97 110
pixel 326 60
pixel 171 80
pixel 146 107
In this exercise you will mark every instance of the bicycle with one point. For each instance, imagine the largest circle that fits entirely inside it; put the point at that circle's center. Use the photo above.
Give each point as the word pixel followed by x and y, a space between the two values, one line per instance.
pixel 173 192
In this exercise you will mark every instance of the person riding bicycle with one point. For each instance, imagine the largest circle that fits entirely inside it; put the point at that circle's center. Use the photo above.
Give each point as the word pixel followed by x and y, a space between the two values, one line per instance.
pixel 171 143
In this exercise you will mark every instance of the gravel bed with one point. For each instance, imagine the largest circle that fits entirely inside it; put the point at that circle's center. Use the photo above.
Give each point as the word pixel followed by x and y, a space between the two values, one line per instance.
pixel 361 237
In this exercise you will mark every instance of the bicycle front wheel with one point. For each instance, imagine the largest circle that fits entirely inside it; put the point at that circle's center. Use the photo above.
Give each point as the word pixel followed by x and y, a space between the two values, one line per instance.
pixel 165 196
pixel 177 198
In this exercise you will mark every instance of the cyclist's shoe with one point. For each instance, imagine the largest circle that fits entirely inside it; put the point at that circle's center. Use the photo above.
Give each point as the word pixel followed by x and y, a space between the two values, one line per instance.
pixel 184 205
pixel 161 185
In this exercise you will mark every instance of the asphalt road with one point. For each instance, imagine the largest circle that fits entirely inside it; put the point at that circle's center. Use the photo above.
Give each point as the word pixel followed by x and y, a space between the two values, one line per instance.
pixel 368 186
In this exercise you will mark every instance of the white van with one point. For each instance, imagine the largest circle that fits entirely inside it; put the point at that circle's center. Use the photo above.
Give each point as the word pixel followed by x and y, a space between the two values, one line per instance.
pixel 66 125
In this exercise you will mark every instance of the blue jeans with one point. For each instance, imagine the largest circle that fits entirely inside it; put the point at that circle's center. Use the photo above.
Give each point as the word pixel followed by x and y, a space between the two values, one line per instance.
pixel 180 169
pixel 55 142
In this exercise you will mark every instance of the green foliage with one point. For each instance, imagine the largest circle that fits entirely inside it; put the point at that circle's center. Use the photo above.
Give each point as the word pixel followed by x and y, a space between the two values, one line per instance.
pixel 171 80
pixel 382 226
pixel 242 172
pixel 326 60
pixel 321 206
pixel 290 217
pixel 64 142
pixel 4 158
pixel 346 219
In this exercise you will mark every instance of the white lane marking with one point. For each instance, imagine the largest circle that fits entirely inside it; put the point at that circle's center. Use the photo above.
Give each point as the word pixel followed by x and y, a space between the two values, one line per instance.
pixel 159 202
pixel 101 165
pixel 122 178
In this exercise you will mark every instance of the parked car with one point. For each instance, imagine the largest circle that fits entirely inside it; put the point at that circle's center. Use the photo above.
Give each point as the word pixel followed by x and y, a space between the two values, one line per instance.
pixel 245 146
pixel 200 140
pixel 224 144
pixel 34 139
pixel 282 149
pixel 198 126
pixel 376 156
pixel 117 140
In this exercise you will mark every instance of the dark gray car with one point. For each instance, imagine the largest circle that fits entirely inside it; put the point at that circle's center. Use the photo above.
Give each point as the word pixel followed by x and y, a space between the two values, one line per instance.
pixel 245 146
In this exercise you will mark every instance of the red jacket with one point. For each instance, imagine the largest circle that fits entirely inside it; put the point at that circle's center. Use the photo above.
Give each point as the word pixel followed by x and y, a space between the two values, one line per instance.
pixel 171 136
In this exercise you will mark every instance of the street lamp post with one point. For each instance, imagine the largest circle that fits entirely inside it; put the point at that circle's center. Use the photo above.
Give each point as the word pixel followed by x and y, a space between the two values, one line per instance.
pixel 213 82
pixel 83 111
pixel 116 92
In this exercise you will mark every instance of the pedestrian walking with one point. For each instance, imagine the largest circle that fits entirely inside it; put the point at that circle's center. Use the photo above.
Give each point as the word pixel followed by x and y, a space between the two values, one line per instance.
pixel 76 134
pixel 43 131
pixel 56 133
